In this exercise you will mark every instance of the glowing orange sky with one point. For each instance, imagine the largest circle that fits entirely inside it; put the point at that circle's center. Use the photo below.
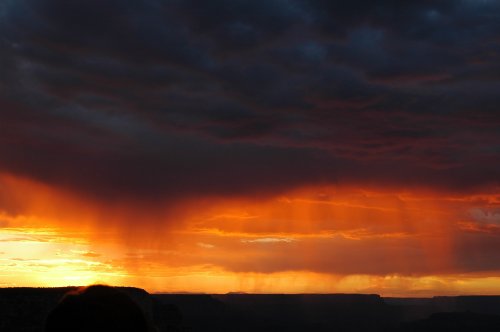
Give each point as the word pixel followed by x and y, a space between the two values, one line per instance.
pixel 316 239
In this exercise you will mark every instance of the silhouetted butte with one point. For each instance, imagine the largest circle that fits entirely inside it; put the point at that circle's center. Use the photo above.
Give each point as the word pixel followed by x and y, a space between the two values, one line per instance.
pixel 97 308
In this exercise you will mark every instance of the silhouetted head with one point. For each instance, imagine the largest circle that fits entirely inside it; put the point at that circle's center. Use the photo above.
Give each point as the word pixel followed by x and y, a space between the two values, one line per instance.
pixel 96 308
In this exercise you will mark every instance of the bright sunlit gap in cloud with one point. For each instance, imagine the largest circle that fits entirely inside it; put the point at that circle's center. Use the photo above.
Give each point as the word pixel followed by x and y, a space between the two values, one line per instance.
pixel 51 257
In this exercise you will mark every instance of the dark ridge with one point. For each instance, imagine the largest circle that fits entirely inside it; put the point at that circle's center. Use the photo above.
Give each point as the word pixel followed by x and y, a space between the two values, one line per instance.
pixel 25 309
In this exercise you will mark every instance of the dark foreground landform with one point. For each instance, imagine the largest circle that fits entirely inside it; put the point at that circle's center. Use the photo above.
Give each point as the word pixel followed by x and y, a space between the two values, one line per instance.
pixel 25 309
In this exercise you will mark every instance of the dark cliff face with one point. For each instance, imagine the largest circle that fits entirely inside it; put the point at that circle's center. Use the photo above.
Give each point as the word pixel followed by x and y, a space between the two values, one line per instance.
pixel 279 312
pixel 25 309
pixel 454 321
pixel 482 304
pixel 331 312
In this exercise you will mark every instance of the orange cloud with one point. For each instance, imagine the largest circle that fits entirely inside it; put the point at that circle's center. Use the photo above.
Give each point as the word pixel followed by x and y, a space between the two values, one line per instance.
pixel 315 239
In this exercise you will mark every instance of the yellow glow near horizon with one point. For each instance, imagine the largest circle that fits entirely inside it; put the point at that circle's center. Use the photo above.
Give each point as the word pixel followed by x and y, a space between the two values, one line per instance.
pixel 46 258
pixel 313 240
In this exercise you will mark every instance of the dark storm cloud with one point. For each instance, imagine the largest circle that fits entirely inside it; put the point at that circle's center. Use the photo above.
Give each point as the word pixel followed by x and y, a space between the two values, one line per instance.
pixel 230 97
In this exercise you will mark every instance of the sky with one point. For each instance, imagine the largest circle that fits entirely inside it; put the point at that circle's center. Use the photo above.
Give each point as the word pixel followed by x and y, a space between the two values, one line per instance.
pixel 278 146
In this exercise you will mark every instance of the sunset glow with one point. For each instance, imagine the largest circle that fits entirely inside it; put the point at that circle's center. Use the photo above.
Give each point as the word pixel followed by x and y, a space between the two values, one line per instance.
pixel 313 240
pixel 251 146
